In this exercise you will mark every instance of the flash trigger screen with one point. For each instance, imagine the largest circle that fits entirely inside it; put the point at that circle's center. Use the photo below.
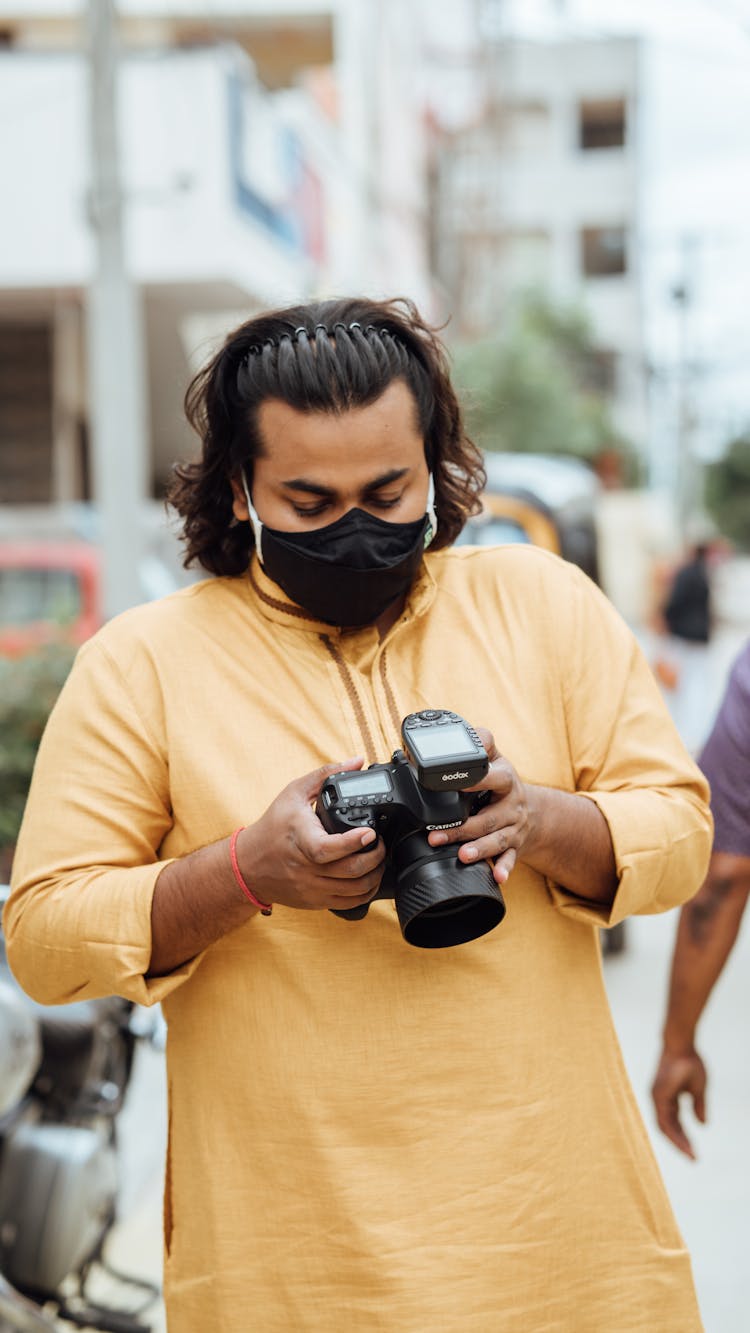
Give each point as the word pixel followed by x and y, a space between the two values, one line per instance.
pixel 439 742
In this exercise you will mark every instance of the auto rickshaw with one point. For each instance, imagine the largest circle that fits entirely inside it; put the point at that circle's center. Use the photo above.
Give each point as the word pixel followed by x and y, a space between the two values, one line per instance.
pixel 540 499
pixel 50 592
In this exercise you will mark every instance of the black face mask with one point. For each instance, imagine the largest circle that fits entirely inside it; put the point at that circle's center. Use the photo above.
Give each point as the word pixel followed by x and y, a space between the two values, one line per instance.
pixel 348 572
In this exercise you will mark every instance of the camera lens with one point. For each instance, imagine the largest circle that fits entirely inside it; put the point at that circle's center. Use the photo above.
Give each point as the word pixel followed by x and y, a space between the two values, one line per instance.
pixel 439 900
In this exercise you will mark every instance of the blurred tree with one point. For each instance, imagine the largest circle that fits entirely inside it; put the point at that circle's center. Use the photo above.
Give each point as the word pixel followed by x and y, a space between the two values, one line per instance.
pixel 727 492
pixel 540 387
pixel 28 688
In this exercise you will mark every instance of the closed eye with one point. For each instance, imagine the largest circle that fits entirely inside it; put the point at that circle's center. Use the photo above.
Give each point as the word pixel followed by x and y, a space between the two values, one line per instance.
pixel 309 511
pixel 371 501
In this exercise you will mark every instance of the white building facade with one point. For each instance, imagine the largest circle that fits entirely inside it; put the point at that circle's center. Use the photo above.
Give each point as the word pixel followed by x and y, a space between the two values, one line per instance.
pixel 543 192
pixel 267 156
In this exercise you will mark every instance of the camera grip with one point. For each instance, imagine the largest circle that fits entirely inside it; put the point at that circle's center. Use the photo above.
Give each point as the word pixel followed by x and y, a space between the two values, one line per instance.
pixel 334 823
pixel 351 913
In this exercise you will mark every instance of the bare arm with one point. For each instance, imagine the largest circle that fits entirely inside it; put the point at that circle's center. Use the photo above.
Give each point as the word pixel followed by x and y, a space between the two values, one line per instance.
pixel 557 833
pixel 707 930
pixel 286 857
pixel 196 901
pixel 706 933
pixel 569 841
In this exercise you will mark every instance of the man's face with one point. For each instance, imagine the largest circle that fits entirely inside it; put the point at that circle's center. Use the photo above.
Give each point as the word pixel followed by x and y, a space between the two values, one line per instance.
pixel 317 465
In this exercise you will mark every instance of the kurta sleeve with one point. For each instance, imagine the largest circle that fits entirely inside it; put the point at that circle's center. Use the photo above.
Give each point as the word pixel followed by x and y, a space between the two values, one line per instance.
pixel 78 920
pixel 627 756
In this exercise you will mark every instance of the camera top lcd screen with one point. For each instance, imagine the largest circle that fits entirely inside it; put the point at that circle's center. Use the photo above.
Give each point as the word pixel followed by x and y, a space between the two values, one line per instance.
pixel 441 742
pixel 364 784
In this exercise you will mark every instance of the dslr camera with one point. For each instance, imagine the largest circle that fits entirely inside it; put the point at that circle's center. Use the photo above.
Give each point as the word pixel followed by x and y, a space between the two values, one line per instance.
pixel 439 900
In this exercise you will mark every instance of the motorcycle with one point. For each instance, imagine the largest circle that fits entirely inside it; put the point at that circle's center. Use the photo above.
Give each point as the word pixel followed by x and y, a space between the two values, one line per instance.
pixel 64 1075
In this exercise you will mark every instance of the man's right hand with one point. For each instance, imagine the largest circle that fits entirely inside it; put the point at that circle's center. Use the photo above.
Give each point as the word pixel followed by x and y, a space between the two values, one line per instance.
pixel 285 857
pixel 677 1075
pixel 288 858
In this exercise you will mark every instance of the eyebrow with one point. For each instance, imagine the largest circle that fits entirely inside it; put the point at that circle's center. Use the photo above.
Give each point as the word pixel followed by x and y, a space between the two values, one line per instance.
pixel 313 488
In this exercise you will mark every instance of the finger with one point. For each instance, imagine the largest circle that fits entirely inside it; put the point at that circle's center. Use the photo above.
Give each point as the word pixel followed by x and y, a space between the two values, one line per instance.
pixel 501 846
pixel 344 900
pixel 699 1102
pixel 503 866
pixel 323 848
pixel 364 862
pixel 498 778
pixel 668 1119
pixel 488 741
pixel 489 820
pixel 312 783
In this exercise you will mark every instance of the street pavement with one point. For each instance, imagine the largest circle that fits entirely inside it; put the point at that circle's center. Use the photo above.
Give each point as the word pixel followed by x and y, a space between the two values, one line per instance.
pixel 711 1197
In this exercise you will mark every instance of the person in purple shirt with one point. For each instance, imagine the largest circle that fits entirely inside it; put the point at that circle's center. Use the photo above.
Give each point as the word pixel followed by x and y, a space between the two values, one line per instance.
pixel 710 922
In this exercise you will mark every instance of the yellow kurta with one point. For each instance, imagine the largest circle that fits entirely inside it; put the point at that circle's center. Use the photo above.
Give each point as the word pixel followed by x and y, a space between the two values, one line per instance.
pixel 365 1135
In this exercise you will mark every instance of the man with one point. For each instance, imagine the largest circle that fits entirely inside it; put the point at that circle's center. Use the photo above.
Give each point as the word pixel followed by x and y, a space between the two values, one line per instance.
pixel 688 620
pixel 687 611
pixel 709 924
pixel 363 1134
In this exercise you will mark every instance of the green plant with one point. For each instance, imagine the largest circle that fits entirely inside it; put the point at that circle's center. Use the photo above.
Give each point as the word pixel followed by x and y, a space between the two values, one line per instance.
pixel 29 686
pixel 539 386
pixel 727 492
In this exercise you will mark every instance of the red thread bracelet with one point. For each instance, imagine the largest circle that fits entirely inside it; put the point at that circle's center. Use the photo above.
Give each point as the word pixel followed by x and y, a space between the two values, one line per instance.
pixel 265 908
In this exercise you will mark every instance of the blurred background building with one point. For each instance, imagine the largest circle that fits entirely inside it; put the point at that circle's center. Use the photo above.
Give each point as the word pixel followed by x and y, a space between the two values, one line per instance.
pixel 543 192
pixel 267 154
pixel 559 182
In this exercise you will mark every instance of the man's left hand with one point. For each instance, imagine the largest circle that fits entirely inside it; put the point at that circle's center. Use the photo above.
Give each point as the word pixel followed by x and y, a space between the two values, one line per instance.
pixel 500 829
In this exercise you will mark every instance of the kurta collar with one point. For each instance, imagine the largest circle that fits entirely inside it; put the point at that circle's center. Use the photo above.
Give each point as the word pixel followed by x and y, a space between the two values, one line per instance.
pixel 274 604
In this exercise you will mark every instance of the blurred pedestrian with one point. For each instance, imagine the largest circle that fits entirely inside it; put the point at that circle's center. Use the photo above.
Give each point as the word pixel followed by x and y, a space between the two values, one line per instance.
pixel 688 621
pixel 709 924
pixel 687 610
pixel 364 1135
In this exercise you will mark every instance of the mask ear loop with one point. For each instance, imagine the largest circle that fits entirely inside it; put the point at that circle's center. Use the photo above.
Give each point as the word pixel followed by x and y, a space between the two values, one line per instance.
pixel 256 523
pixel 431 512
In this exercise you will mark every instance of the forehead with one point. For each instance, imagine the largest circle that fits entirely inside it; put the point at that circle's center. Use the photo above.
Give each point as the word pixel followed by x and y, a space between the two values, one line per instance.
pixel 384 434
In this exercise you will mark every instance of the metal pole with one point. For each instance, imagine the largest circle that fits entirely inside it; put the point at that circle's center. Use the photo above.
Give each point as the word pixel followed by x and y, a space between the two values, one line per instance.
pixel 114 337
pixel 682 296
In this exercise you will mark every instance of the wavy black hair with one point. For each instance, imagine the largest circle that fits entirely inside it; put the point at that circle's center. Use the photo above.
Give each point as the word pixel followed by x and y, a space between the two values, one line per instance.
pixel 328 356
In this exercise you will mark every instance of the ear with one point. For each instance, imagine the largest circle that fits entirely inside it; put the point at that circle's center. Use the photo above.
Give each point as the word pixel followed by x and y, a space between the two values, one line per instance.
pixel 239 501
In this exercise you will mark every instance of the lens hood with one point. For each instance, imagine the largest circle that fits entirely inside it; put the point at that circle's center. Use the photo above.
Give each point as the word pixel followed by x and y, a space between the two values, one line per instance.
pixel 440 901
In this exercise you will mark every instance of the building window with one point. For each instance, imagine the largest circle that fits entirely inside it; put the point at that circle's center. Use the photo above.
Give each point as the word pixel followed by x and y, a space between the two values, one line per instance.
pixel 601 124
pixel 603 251
pixel 25 413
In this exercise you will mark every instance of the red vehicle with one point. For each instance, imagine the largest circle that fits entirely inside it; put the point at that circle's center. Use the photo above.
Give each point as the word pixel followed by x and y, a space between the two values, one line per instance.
pixel 50 592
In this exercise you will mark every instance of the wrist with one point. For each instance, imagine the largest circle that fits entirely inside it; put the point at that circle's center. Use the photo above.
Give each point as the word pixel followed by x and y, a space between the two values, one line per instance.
pixel 678 1041
pixel 239 863
pixel 534 798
